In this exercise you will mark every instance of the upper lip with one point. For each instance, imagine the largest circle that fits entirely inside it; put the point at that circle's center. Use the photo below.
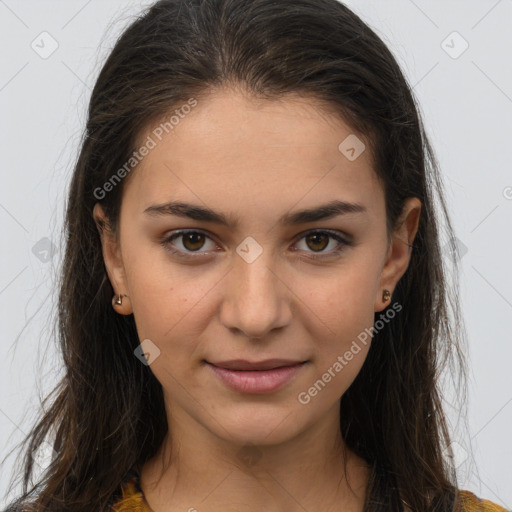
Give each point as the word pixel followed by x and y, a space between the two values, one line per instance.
pixel 268 364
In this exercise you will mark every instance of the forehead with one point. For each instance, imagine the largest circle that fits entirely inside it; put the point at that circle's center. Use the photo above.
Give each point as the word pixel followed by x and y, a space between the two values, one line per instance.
pixel 232 151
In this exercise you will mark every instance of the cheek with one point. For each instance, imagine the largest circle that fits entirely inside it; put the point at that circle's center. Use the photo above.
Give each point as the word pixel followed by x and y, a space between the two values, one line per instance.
pixel 343 300
pixel 169 303
pixel 341 342
pixel 339 314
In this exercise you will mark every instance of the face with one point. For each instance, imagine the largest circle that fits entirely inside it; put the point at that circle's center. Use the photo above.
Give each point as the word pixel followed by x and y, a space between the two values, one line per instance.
pixel 269 283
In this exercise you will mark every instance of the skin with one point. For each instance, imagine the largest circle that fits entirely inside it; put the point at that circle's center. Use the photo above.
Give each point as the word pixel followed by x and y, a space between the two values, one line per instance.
pixel 255 160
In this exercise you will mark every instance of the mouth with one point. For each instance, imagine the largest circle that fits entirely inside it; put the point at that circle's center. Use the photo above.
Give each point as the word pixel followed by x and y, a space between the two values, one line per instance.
pixel 256 377
pixel 242 364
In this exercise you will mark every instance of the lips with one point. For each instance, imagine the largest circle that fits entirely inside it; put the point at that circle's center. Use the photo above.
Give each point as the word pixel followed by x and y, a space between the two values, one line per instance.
pixel 268 364
pixel 256 377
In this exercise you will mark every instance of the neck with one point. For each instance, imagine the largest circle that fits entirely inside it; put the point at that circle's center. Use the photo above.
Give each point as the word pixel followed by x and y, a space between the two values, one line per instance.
pixel 194 471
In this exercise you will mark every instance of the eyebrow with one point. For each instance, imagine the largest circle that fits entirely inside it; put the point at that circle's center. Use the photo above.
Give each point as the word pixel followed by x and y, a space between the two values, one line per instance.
pixel 195 212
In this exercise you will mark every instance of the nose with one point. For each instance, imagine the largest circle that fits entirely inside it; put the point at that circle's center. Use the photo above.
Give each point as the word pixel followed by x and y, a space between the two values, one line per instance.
pixel 256 298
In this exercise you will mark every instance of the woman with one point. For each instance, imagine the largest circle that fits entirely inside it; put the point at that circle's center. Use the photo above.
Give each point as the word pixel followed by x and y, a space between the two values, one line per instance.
pixel 253 310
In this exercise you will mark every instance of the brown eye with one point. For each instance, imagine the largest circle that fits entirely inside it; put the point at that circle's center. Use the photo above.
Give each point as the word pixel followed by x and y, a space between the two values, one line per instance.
pixel 316 242
pixel 193 241
pixel 186 243
pixel 319 241
pixel 189 244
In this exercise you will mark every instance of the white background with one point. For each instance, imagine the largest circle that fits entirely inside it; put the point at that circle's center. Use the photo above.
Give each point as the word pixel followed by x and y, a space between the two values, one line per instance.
pixel 467 107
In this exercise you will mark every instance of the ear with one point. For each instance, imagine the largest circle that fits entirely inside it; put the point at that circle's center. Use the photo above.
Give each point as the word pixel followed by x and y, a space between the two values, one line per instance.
pixel 399 252
pixel 113 260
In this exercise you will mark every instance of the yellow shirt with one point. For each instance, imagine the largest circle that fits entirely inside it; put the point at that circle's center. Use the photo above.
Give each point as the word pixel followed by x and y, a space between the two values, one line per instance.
pixel 133 500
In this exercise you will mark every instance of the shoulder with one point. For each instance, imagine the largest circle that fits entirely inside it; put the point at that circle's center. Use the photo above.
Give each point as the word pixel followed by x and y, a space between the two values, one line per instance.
pixel 129 499
pixel 472 503
pixel 132 498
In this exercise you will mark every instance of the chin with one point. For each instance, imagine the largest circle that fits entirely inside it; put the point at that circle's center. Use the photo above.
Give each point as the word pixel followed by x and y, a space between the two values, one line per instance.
pixel 265 428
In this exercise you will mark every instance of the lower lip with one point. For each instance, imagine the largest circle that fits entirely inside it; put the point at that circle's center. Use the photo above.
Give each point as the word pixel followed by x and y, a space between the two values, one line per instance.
pixel 256 381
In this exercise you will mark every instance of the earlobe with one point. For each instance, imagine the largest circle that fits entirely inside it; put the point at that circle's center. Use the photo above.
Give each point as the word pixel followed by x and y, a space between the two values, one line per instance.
pixel 400 250
pixel 113 261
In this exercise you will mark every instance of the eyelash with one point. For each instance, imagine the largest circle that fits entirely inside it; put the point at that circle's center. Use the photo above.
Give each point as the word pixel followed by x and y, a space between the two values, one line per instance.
pixel 315 256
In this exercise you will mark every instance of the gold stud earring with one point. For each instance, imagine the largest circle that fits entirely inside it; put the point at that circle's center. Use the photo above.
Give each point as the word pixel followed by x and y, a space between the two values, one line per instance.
pixel 118 301
pixel 386 295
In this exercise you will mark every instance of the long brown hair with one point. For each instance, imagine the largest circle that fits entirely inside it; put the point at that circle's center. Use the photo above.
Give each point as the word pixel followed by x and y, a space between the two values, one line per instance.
pixel 106 416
